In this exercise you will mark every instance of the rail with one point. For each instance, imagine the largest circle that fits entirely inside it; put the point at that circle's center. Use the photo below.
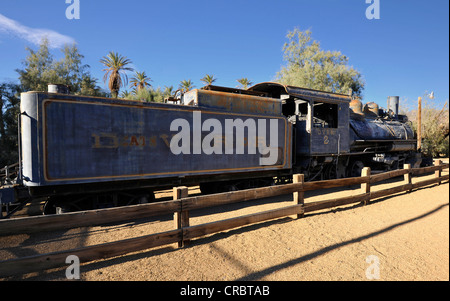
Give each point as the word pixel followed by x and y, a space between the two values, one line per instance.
pixel 8 172
pixel 183 204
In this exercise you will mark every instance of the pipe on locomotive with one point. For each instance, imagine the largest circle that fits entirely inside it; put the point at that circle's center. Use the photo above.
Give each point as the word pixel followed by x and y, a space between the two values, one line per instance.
pixel 58 88
pixel 393 104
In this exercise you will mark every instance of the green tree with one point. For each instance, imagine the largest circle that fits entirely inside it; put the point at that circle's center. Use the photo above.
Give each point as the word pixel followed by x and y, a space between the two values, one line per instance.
pixel 208 79
pixel 311 67
pixel 147 94
pixel 89 87
pixel 116 67
pixel 71 69
pixel 435 127
pixel 40 68
pixel 126 94
pixel 140 80
pixel 9 111
pixel 244 83
pixel 186 85
pixel 168 91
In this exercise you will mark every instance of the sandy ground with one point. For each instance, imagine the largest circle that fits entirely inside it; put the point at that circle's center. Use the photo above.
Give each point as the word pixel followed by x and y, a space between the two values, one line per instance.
pixel 404 237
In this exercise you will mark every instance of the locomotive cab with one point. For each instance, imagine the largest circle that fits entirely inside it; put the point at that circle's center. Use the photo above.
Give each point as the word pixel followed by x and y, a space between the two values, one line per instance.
pixel 319 118
pixel 321 128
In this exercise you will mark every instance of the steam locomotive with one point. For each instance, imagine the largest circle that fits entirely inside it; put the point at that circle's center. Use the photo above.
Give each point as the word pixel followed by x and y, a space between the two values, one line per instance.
pixel 79 152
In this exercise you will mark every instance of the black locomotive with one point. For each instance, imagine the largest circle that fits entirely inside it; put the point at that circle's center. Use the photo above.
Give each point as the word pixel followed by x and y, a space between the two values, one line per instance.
pixel 80 152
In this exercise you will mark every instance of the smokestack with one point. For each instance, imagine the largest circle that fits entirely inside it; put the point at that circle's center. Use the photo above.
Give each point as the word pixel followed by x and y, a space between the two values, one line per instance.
pixel 392 104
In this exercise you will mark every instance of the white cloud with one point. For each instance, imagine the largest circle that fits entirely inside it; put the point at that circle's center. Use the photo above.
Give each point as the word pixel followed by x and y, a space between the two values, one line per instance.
pixel 33 35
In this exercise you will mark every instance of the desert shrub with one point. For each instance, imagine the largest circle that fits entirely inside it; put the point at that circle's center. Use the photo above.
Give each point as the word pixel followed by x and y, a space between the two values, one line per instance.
pixel 435 127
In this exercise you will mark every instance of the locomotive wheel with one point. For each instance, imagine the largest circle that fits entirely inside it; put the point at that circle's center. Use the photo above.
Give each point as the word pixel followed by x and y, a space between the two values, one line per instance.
pixel 330 172
pixel 355 168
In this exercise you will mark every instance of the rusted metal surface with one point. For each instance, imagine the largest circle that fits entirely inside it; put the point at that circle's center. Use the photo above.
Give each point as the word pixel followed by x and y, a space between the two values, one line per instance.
pixel 303 93
pixel 235 90
pixel 231 102
pixel 356 106
pixel 371 110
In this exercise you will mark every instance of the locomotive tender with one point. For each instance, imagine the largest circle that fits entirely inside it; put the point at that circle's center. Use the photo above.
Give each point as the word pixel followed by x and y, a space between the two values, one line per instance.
pixel 80 152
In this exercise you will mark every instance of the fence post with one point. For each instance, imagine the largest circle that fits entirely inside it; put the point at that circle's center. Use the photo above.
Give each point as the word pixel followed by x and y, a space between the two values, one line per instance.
pixel 299 195
pixel 407 176
pixel 181 219
pixel 437 173
pixel 365 187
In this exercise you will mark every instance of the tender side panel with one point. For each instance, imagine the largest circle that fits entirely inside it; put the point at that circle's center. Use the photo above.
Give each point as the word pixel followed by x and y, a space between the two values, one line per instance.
pixel 87 141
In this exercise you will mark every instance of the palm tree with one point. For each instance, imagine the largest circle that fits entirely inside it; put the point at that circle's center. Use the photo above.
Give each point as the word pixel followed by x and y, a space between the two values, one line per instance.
pixel 89 86
pixel 140 81
pixel 168 91
pixel 116 65
pixel 208 79
pixel 186 85
pixel 126 94
pixel 245 82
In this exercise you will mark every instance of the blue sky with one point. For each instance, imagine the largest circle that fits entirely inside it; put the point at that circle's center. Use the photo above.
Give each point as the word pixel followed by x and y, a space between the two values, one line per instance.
pixel 404 53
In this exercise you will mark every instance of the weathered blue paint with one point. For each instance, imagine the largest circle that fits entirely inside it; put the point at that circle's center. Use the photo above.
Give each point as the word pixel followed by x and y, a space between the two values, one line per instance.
pixel 379 129
pixel 73 139
pixel 7 195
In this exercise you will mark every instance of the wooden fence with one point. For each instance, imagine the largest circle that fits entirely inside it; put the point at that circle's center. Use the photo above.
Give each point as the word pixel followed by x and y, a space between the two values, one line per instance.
pixel 183 204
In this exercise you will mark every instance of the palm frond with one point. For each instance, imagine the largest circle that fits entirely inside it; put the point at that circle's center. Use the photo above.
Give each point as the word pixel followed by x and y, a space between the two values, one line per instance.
pixel 116 67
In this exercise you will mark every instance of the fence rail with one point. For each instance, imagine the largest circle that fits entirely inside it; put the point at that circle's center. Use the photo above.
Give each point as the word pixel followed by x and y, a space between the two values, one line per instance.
pixel 8 172
pixel 182 205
